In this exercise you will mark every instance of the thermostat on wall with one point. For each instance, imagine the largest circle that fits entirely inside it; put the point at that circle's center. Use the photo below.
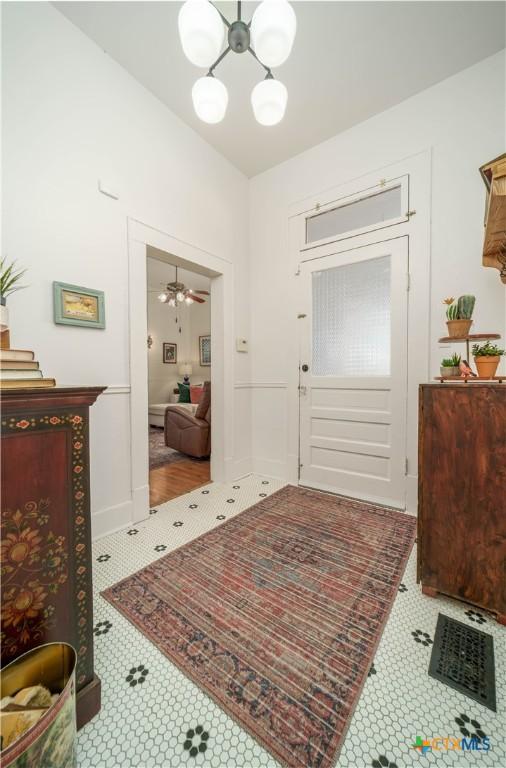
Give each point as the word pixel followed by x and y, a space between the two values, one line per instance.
pixel 241 345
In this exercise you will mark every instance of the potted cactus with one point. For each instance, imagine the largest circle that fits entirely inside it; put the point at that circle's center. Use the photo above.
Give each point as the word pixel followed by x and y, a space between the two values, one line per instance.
pixel 450 366
pixel 459 315
pixel 487 357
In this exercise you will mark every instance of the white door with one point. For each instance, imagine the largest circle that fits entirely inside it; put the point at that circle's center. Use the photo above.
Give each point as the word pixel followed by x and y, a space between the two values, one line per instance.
pixel 353 372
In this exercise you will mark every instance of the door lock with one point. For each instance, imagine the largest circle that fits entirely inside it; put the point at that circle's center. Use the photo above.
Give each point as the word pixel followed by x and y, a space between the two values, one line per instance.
pixel 305 367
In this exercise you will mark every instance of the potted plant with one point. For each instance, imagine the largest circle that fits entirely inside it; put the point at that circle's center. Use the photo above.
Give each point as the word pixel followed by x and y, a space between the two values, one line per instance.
pixel 450 366
pixel 459 315
pixel 9 282
pixel 487 357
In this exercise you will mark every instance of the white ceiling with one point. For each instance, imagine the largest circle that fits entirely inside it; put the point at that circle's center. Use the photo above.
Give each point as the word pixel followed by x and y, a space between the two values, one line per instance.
pixel 159 273
pixel 350 61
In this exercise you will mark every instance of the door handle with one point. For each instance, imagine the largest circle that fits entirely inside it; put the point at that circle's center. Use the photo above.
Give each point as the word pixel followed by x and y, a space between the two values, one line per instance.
pixel 305 367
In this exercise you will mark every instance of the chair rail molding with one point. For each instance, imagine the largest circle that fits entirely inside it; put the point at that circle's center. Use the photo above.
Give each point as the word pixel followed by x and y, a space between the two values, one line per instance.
pixel 261 385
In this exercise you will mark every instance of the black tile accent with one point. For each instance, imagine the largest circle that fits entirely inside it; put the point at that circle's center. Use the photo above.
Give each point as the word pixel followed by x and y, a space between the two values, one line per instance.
pixel 230 501
pixel 133 531
pixel 196 740
pixel 422 637
pixel 463 659
pixel 263 495
pixel 220 517
pixel 471 729
pixel 102 628
pixel 160 547
pixel 137 675
pixel 153 511
pixel 103 558
pixel 382 761
pixel 236 487
pixel 193 506
pixel 403 588
pixel 476 617
pixel 177 524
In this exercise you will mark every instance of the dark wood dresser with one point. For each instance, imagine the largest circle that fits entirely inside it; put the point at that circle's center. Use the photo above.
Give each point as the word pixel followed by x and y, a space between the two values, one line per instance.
pixel 46 532
pixel 462 493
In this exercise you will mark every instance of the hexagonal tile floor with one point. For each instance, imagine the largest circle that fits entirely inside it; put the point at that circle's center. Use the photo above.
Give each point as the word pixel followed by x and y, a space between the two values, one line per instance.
pixel 152 715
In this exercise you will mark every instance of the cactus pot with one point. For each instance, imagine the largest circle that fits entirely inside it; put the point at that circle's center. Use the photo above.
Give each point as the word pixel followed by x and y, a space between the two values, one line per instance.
pixel 448 371
pixel 458 329
pixel 487 366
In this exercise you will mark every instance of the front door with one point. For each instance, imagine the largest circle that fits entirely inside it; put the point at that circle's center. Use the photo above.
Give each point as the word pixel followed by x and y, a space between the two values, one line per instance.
pixel 353 372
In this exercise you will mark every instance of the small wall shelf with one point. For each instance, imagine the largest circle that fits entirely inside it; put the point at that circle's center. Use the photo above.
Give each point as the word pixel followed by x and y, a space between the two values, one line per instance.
pixel 494 244
pixel 467 339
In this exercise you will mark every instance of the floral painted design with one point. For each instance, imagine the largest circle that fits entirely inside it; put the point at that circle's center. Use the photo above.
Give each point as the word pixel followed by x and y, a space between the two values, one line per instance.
pixel 39 557
pixel 34 566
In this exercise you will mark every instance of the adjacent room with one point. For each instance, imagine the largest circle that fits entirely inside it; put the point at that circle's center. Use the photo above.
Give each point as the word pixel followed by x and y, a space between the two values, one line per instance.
pixel 253 384
pixel 179 433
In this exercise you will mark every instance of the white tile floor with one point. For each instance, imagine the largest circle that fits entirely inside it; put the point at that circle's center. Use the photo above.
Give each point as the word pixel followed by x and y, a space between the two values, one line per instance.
pixel 152 715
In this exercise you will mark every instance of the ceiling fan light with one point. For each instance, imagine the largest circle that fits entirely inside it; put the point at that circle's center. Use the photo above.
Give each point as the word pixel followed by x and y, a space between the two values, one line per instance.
pixel 163 297
pixel 172 302
pixel 268 99
pixel 201 31
pixel 179 296
pixel 188 300
pixel 273 29
pixel 210 99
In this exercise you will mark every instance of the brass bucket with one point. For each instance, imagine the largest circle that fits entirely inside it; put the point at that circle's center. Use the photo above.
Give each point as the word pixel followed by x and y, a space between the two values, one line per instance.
pixel 51 741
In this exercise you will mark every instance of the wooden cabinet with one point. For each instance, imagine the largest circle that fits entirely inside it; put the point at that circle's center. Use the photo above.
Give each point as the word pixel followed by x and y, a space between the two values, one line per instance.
pixel 46 535
pixel 462 493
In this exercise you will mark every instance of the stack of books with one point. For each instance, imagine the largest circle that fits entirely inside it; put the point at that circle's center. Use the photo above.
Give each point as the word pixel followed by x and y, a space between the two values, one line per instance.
pixel 18 368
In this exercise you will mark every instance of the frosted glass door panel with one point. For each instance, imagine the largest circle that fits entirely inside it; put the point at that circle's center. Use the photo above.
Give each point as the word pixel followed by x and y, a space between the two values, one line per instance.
pixel 358 214
pixel 351 319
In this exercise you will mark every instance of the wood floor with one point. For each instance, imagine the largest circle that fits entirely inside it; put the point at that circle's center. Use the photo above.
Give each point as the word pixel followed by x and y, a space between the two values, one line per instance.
pixel 174 479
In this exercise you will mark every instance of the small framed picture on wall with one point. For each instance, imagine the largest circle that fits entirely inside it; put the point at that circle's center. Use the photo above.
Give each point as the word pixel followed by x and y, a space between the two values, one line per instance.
pixel 75 305
pixel 169 352
pixel 205 350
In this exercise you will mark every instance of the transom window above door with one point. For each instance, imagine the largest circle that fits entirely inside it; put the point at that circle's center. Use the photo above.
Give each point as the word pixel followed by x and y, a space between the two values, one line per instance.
pixel 380 206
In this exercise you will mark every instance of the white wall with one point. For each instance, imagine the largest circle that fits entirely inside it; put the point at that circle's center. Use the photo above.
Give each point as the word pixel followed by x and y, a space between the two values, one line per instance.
pixel 72 116
pixel 461 120
pixel 193 320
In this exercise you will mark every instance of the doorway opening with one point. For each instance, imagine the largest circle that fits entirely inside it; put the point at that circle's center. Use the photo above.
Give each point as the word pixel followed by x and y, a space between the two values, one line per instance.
pixel 179 368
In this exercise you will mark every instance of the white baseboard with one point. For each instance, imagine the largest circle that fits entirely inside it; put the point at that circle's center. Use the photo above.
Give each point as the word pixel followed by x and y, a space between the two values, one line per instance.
pixel 140 503
pixel 270 468
pixel 240 468
pixel 112 519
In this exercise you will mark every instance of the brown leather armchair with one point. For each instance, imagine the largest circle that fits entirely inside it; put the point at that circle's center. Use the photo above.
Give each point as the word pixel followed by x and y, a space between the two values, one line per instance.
pixel 187 433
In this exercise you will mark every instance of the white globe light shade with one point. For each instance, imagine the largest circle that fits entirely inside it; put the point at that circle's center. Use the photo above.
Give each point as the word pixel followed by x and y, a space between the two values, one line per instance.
pixel 268 100
pixel 210 99
pixel 201 31
pixel 273 29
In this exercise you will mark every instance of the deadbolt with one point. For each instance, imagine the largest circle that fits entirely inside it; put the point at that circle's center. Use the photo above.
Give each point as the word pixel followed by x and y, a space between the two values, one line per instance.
pixel 305 367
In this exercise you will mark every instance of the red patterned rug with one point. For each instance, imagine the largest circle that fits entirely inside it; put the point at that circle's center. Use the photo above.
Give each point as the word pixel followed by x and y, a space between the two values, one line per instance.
pixel 277 613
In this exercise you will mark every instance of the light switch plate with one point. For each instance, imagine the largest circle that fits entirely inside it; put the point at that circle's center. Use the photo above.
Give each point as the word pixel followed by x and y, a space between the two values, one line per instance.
pixel 241 345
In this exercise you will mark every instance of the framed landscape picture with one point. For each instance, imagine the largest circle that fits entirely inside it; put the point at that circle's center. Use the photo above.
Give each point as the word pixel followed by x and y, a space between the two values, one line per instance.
pixel 169 352
pixel 74 305
pixel 205 350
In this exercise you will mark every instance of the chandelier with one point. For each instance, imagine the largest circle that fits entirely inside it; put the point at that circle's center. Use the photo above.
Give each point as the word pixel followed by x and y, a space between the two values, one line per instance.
pixel 268 37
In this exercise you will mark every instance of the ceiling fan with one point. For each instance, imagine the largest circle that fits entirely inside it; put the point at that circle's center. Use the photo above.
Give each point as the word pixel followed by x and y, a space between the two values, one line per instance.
pixel 176 293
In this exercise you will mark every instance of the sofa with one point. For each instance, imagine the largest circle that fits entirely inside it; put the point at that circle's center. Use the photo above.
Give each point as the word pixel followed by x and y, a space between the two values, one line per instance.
pixel 190 433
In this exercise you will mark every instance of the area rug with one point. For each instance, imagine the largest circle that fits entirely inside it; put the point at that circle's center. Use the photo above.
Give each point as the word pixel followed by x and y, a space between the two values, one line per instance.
pixel 159 453
pixel 277 613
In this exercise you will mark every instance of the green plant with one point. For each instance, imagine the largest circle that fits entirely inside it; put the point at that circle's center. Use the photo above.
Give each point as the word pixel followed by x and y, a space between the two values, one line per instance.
pixel 462 309
pixel 455 358
pixel 451 362
pixel 9 278
pixel 465 307
pixel 487 350
pixel 452 312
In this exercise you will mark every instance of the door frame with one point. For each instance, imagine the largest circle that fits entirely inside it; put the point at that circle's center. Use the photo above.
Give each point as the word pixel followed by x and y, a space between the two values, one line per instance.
pixel 392 246
pixel 221 272
pixel 418 229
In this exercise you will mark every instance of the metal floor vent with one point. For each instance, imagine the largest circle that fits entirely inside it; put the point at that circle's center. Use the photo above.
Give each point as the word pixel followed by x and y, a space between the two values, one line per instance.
pixel 463 658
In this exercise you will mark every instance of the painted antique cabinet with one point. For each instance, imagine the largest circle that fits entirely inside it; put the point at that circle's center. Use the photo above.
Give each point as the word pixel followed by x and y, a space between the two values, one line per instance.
pixel 462 493
pixel 46 566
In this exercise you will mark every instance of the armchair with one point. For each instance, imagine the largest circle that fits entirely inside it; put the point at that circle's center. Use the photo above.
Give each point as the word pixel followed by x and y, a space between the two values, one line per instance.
pixel 187 433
